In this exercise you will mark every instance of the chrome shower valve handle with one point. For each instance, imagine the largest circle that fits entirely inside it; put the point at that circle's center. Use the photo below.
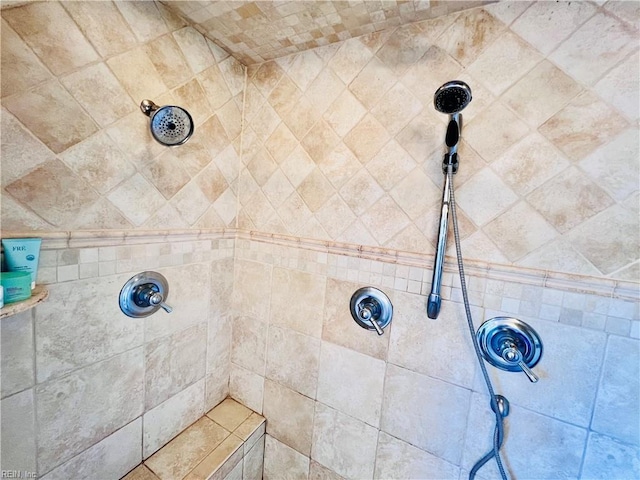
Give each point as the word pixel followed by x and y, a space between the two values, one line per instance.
pixel 366 314
pixel 144 294
pixel 157 299
pixel 512 355
pixel 510 344
pixel 371 309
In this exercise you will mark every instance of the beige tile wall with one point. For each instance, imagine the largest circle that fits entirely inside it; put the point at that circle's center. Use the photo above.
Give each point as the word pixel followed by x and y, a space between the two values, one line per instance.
pixel 89 392
pixel 342 143
pixel 330 150
pixel 77 153
pixel 257 31
pixel 343 402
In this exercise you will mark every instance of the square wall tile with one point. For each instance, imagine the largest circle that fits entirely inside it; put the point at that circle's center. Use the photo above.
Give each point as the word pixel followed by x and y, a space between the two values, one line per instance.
pixel 251 280
pixel 281 461
pixel 246 387
pixel 559 445
pixel 397 459
pixel 173 363
pixel 421 345
pixel 541 93
pixel 595 47
pixel 103 25
pixel 168 419
pixel 72 331
pixel 351 382
pixel 300 375
pixel 113 457
pixel 530 163
pixel 569 199
pixel 82 408
pixel 504 62
pixel 342 443
pixel 44 109
pixel 100 93
pixel 49 30
pixel 494 130
pixel 144 19
pixel 26 70
pixel 249 343
pixel 470 33
pixel 137 74
pixel 17 353
pixel 519 231
pixel 439 410
pixel 496 195
pixel 289 416
pixel 18 432
pixel 582 126
pixel 616 410
pixel 290 294
pixel 606 457
pixel 546 25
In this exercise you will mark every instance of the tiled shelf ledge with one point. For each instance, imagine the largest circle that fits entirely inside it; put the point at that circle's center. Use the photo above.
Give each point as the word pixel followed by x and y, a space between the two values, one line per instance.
pixel 38 295
pixel 226 443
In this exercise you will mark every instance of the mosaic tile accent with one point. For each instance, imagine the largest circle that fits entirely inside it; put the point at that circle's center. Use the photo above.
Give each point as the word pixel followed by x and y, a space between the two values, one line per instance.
pixel 531 295
pixel 256 31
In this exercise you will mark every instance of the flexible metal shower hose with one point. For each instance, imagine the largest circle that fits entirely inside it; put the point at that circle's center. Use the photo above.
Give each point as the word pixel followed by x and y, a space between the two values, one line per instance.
pixel 498 433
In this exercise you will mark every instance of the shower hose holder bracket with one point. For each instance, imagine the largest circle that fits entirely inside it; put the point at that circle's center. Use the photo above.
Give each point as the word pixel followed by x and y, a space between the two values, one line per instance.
pixel 450 159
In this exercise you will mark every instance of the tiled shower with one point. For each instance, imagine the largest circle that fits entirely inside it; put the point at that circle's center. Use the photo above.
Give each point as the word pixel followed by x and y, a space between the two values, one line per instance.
pixel 309 176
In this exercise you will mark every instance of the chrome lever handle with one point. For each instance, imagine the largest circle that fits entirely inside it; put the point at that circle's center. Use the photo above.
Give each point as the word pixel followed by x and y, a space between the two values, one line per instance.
pixel 156 299
pixel 366 314
pixel 512 355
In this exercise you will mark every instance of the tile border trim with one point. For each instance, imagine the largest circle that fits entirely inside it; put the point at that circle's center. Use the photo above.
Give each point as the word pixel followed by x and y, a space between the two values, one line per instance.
pixel 528 276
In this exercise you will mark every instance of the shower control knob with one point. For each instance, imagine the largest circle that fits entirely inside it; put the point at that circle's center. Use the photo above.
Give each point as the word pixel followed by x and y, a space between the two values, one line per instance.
pixel 512 355
pixel 156 299
pixel 371 309
pixel 144 294
pixel 367 315
pixel 510 344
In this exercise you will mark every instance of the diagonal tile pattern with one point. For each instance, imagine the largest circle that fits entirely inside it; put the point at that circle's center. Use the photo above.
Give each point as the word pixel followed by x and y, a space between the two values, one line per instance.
pixel 532 173
pixel 255 31
pixel 76 151
pixel 337 143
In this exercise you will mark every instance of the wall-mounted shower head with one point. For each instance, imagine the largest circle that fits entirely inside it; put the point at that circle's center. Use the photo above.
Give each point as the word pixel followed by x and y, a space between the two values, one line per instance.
pixel 170 125
pixel 452 97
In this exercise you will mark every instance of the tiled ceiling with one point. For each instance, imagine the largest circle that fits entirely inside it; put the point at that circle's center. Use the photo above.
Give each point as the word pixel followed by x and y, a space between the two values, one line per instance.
pixel 254 32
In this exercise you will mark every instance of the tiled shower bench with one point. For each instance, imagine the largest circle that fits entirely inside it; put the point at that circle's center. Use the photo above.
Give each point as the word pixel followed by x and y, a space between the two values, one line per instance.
pixel 225 444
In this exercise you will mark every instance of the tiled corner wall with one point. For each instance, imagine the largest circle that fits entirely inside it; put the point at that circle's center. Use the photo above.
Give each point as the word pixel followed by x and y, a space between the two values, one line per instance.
pixel 77 153
pixel 258 31
pixel 343 402
pixel 225 444
pixel 342 142
pixel 88 392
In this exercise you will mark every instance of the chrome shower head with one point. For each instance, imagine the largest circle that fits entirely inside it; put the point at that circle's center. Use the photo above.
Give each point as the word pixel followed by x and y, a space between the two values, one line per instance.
pixel 170 125
pixel 452 97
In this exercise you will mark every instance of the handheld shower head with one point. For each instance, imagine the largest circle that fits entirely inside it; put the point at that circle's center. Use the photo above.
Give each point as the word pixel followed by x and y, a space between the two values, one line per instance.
pixel 170 125
pixel 452 97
